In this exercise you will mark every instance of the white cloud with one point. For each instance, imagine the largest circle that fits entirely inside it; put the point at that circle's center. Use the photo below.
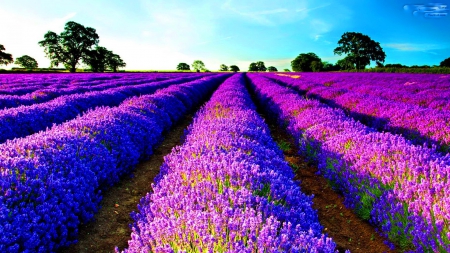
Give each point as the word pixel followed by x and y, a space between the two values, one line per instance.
pixel 412 46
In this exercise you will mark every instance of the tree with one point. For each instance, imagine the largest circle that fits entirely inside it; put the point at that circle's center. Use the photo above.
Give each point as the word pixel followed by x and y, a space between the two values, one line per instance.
pixel 286 70
pixel 198 65
pixel 113 62
pixel 444 63
pixel 234 68
pixel 223 67
pixel 26 62
pixel 253 67
pixel 261 66
pixel 302 63
pixel 345 64
pixel 71 46
pixel 360 49
pixel 272 69
pixel 5 58
pixel 183 66
pixel 316 66
pixel 97 59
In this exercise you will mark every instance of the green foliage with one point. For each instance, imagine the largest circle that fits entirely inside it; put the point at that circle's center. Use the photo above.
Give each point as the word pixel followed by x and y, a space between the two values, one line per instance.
pixel 114 61
pixel 101 59
pixel 261 66
pixel 272 69
pixel 286 70
pixel 253 67
pixel 96 59
pixel 360 49
pixel 183 66
pixel 223 67
pixel 316 66
pixel 71 46
pixel 258 66
pixel 5 58
pixel 284 146
pixel 346 63
pixel 198 66
pixel 27 62
pixel 234 68
pixel 445 63
pixel 302 63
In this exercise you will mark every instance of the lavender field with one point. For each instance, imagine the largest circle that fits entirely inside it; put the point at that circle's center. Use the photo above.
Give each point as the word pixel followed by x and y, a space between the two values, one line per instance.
pixel 380 140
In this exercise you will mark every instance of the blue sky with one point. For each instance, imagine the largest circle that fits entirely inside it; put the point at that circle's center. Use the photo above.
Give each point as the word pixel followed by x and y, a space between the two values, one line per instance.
pixel 157 35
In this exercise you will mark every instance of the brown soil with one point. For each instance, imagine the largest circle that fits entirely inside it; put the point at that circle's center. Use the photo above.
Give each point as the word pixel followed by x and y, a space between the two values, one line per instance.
pixel 340 223
pixel 111 225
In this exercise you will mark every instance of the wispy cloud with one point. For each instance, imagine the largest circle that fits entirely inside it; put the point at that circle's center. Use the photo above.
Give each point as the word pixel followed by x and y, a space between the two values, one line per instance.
pixel 312 9
pixel 413 46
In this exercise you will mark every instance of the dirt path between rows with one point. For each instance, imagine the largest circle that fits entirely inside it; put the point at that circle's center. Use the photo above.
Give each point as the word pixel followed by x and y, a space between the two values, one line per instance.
pixel 341 224
pixel 111 225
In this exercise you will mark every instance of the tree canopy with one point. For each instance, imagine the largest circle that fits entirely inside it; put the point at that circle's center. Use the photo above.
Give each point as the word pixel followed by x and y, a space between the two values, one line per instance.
pixel 257 66
pixel 113 62
pixel 360 49
pixel 223 67
pixel 71 46
pixel 286 70
pixel 302 63
pixel 5 58
pixel 198 65
pixel 272 69
pixel 97 59
pixel 27 62
pixel 183 66
pixel 234 68
pixel 445 63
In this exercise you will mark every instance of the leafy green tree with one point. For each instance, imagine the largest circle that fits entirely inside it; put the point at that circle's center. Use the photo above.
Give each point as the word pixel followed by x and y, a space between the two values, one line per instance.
pixel 302 63
pixel 261 66
pixel 234 68
pixel 445 63
pixel 97 59
pixel 286 70
pixel 223 67
pixel 198 65
pixel 27 62
pixel 316 66
pixel 113 62
pixel 272 69
pixel 253 67
pixel 71 46
pixel 183 66
pixel 5 58
pixel 346 64
pixel 360 49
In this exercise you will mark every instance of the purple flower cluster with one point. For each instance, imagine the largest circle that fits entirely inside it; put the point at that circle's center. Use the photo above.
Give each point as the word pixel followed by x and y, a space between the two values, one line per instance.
pixel 227 189
pixel 26 120
pixel 51 182
pixel 67 85
pixel 418 124
pixel 401 187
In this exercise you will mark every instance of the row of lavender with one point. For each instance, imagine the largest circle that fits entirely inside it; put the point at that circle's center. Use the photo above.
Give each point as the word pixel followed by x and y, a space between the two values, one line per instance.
pixel 20 84
pixel 52 181
pixel 227 189
pixel 402 188
pixel 427 90
pixel 47 94
pixel 26 120
pixel 418 124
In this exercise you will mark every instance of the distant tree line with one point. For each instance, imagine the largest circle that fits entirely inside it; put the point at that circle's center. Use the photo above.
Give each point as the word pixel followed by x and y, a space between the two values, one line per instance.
pixel 76 43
